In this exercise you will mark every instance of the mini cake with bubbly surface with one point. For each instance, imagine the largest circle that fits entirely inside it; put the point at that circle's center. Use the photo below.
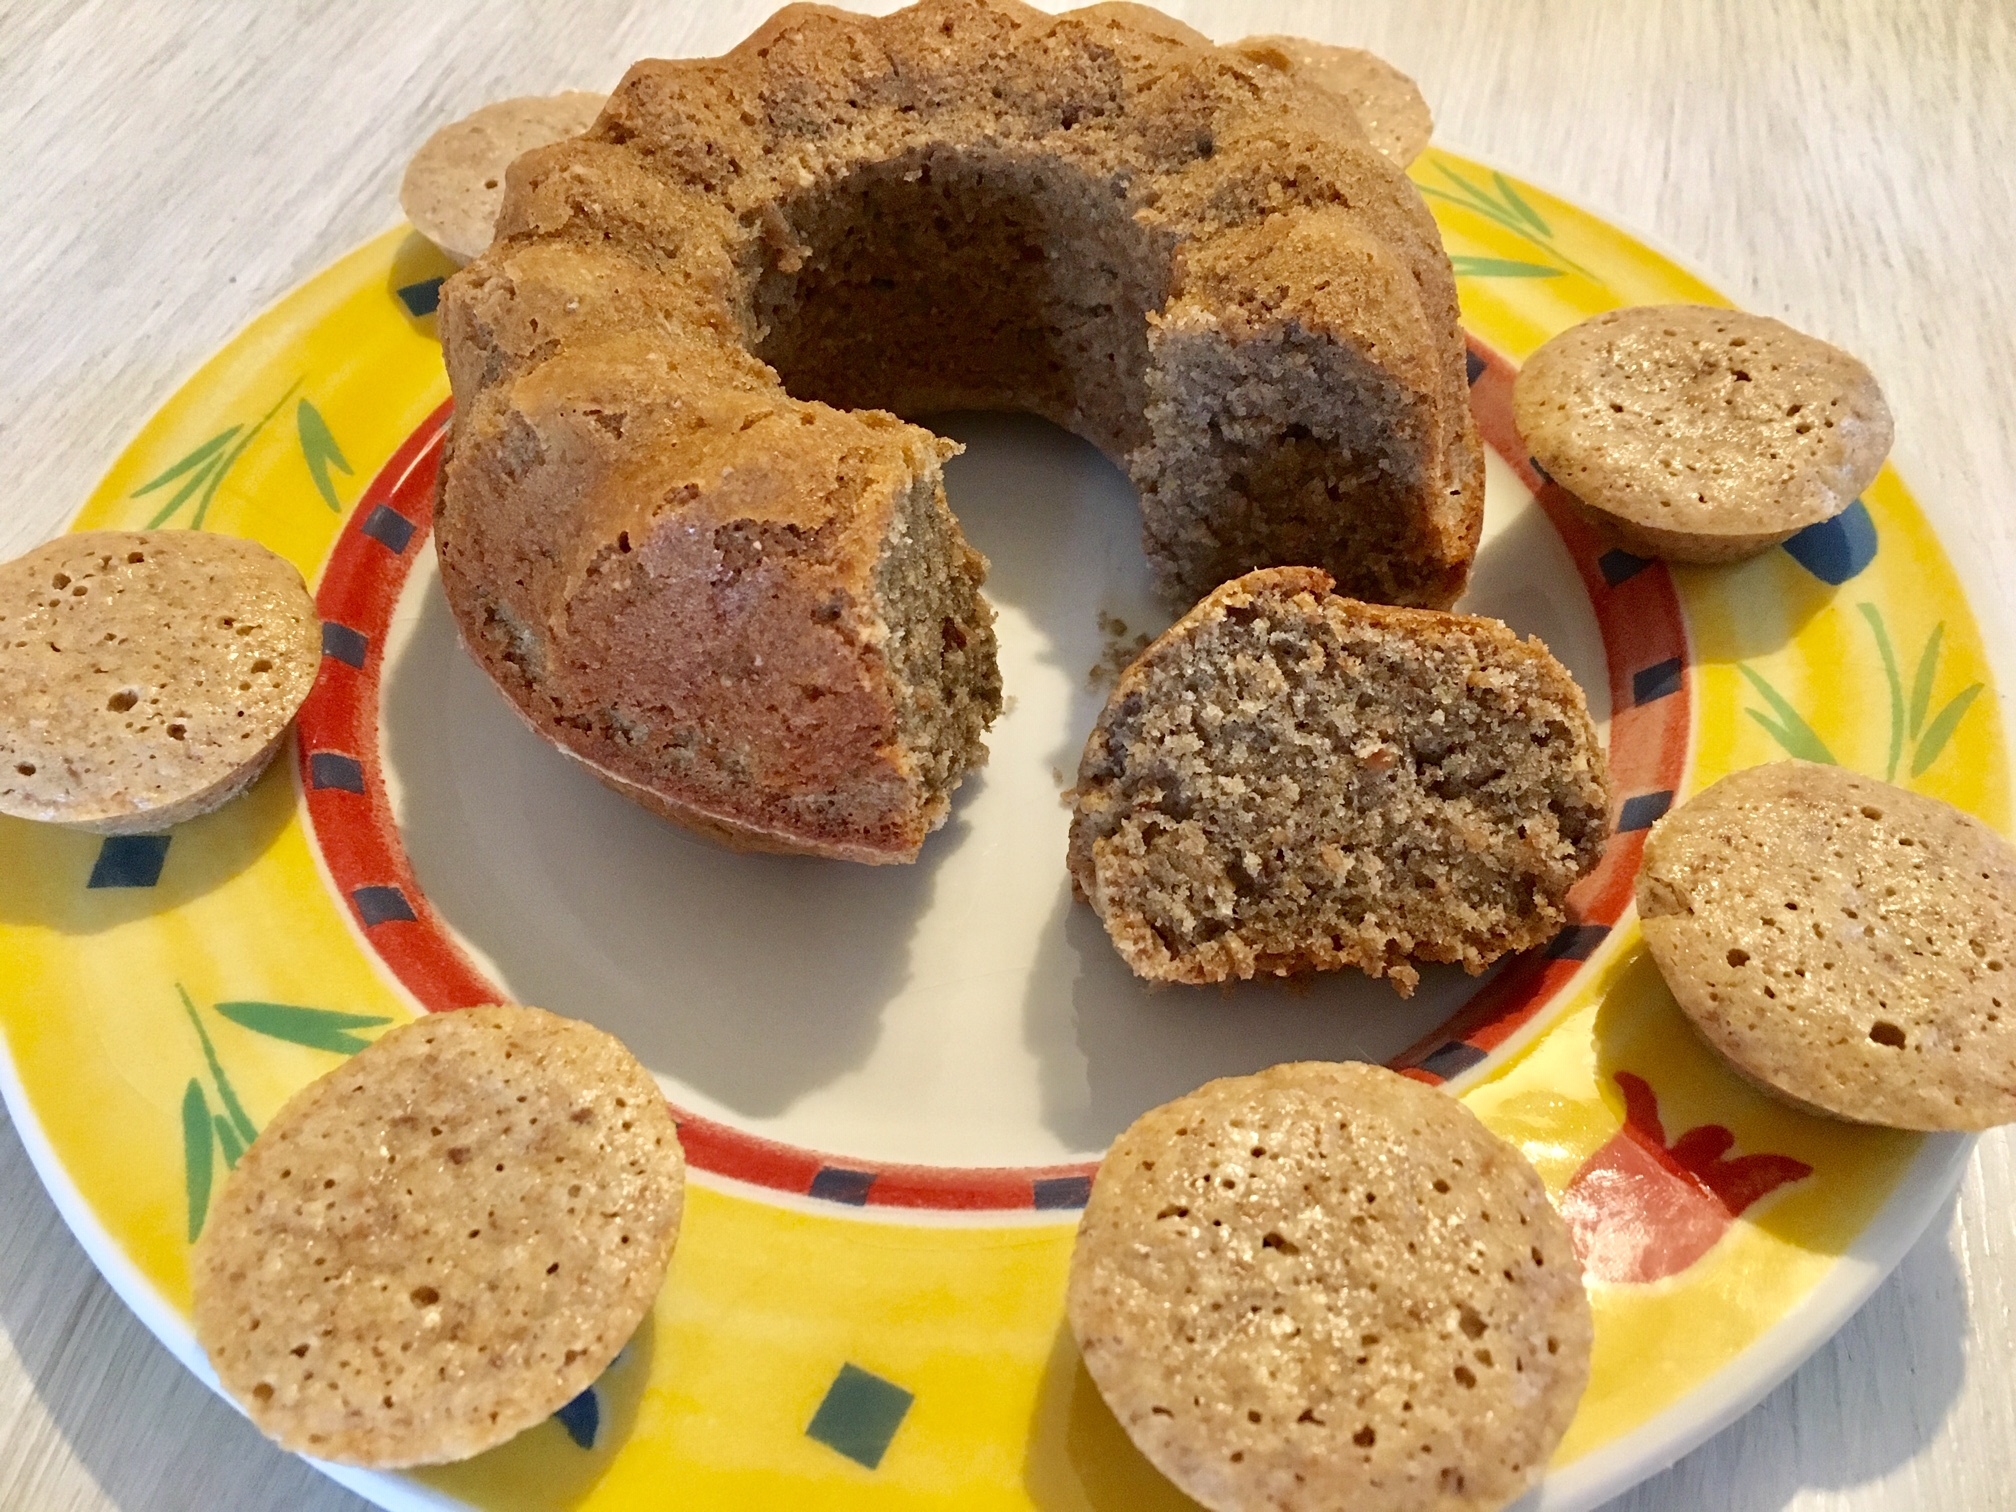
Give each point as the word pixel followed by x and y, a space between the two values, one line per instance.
pixel 1288 781
pixel 1329 1286
pixel 1846 944
pixel 443 1241
pixel 455 182
pixel 680 525
pixel 146 676
pixel 1384 99
pixel 1701 434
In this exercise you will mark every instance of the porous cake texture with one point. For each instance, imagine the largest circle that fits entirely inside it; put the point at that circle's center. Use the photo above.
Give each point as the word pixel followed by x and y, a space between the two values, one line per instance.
pixel 455 183
pixel 1384 99
pixel 1701 434
pixel 679 523
pixel 443 1241
pixel 1290 781
pixel 1847 944
pixel 146 676
pixel 1327 1286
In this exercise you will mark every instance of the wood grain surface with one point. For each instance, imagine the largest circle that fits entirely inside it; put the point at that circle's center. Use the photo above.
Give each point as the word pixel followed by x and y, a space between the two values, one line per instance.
pixel 168 170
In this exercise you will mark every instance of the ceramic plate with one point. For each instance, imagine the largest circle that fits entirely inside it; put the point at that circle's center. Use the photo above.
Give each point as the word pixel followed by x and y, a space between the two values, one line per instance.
pixel 893 1082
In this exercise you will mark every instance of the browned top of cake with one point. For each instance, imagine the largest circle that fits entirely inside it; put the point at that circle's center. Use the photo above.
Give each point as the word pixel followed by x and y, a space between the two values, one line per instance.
pixel 1846 943
pixel 1698 433
pixel 674 233
pixel 443 1241
pixel 1328 1286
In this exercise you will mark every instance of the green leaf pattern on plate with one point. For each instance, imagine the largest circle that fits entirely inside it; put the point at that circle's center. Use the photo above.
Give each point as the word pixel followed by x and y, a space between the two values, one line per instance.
pixel 196 1155
pixel 1941 729
pixel 1500 267
pixel 1928 669
pixel 227 1138
pixel 225 1094
pixel 1500 202
pixel 203 469
pixel 317 1028
pixel 1875 618
pixel 203 462
pixel 1788 728
pixel 319 450
pixel 1909 726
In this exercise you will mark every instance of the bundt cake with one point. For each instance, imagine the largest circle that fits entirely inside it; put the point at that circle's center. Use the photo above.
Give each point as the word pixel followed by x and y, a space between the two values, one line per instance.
pixel 680 525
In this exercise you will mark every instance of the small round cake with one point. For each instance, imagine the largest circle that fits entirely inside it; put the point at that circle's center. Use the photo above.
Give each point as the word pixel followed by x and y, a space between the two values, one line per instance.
pixel 1329 1286
pixel 1845 944
pixel 680 525
pixel 443 1241
pixel 1289 781
pixel 1385 100
pixel 1700 434
pixel 146 677
pixel 455 183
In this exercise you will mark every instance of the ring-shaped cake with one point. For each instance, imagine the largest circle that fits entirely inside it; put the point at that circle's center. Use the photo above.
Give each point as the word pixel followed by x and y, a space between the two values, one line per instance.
pixel 681 525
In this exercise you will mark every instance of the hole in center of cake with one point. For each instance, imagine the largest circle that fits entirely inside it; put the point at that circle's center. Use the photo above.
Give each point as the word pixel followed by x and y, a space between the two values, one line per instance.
pixel 967 279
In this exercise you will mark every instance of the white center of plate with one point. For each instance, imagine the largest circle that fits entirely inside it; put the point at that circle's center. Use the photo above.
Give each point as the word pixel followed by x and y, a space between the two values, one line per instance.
pixel 963 1010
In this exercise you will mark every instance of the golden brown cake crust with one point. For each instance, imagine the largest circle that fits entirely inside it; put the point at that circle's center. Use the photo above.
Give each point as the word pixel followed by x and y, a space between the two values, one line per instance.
pixel 1389 103
pixel 1327 1286
pixel 679 526
pixel 1701 434
pixel 146 676
pixel 443 1241
pixel 1845 943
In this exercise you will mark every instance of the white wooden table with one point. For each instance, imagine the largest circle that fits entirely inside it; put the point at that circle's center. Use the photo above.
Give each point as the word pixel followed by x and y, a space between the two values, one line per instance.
pixel 166 171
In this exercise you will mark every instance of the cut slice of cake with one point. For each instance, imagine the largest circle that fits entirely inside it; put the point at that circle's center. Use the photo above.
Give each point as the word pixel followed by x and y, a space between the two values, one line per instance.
pixel 1289 781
